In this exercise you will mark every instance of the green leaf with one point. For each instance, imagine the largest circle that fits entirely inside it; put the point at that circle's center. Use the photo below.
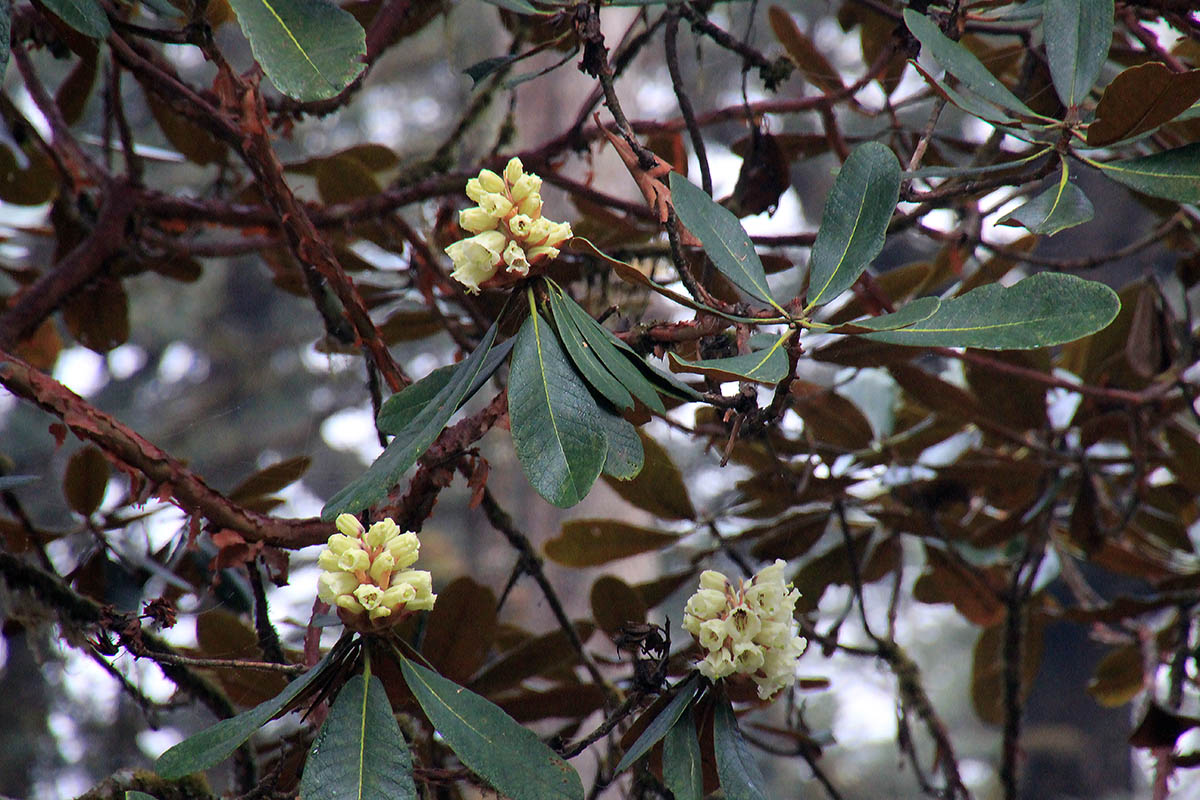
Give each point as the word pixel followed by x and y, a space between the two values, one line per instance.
pixel 1062 206
pixel 1171 174
pixel 591 542
pixel 359 753
pixel 855 221
pixel 1078 34
pixel 768 366
pixel 657 729
pixel 310 49
pixel 489 742
pixel 736 766
pixel 131 794
pixel 723 238
pixel 584 356
pixel 920 309
pixel 1046 309
pixel 958 172
pixel 411 442
pixel 552 415
pixel 608 349
pixel 214 744
pixel 682 772
pixel 967 102
pixel 1140 99
pixel 962 64
pixel 85 16
pixel 401 408
pixel 625 456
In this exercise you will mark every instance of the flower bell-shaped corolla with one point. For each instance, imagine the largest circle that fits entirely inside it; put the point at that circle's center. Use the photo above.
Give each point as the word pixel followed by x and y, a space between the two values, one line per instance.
pixel 747 631
pixel 510 232
pixel 366 576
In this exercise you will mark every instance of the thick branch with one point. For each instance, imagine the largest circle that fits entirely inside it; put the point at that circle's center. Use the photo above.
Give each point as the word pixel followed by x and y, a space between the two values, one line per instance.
pixel 186 489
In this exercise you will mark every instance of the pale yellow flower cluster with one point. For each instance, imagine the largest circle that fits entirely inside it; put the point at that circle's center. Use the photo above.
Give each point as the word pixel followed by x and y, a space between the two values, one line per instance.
pixel 749 630
pixel 366 576
pixel 509 228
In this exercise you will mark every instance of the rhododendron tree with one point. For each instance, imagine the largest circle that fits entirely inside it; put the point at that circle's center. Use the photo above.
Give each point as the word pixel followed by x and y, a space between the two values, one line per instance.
pixel 706 397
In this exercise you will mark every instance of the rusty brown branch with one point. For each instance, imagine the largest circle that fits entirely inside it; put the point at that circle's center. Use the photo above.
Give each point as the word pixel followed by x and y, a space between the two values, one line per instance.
pixel 185 488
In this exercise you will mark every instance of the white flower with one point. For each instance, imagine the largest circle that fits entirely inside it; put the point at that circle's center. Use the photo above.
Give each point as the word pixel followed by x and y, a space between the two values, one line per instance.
pixel 706 604
pixel 742 624
pixel 477 258
pixel 717 665
pixel 748 631
pixel 711 635
pixel 748 657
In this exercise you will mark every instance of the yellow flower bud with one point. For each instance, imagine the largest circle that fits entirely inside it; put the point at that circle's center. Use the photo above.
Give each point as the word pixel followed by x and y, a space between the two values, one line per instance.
pixel 531 205
pixel 536 254
pixel 476 220
pixel 348 602
pixel 711 579
pixel 328 560
pixel 514 170
pixel 355 560
pixel 496 205
pixel 559 233
pixel 333 584
pixel 419 579
pixel 717 665
pixel 403 550
pixel 706 604
pixel 527 186
pixel 476 259
pixel 475 189
pixel 349 525
pixel 422 602
pixel 382 532
pixel 339 543
pixel 748 657
pixel 490 181
pixel 399 594
pixel 382 566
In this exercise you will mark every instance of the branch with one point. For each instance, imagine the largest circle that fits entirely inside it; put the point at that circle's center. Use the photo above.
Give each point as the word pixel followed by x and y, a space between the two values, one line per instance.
pixel 35 303
pixel 187 489
pixel 503 523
